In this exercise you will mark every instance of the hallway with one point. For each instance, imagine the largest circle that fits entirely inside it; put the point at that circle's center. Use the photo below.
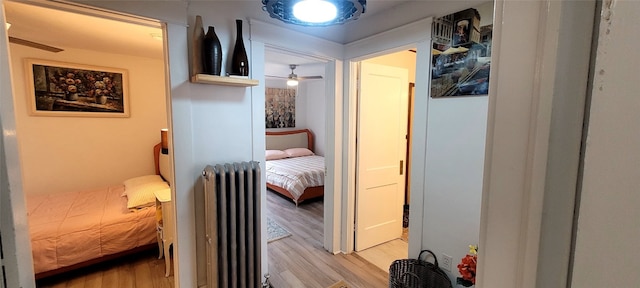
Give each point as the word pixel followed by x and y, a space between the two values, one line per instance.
pixel 301 261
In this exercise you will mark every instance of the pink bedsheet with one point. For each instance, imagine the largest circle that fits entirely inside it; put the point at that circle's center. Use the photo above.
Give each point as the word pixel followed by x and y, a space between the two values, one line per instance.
pixel 70 228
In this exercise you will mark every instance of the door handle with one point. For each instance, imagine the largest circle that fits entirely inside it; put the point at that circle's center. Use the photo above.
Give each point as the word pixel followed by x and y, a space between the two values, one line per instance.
pixel 401 167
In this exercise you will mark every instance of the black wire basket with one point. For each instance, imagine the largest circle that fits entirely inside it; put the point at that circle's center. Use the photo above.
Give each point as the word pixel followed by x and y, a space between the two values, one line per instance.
pixel 417 273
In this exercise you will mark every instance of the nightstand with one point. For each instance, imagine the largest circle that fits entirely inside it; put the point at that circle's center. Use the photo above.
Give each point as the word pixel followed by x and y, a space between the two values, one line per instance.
pixel 165 226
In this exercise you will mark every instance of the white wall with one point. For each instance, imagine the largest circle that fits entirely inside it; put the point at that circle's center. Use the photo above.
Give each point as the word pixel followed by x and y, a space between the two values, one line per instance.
pixel 222 125
pixel 64 154
pixel 456 134
pixel 606 252
pixel 314 92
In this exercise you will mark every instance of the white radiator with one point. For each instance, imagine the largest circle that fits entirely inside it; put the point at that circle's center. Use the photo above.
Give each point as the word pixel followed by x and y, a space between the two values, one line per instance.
pixel 232 219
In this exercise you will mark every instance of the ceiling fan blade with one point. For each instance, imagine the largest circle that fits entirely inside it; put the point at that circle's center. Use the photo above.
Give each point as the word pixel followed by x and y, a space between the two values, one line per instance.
pixel 32 44
pixel 309 77
pixel 273 76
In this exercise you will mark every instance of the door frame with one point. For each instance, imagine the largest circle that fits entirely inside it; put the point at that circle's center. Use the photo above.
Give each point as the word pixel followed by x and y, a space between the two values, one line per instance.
pixel 414 35
pixel 24 259
pixel 268 35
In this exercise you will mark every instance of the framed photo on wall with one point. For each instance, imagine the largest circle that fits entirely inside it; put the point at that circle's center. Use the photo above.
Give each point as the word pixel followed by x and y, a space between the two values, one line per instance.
pixel 280 108
pixel 461 55
pixel 77 90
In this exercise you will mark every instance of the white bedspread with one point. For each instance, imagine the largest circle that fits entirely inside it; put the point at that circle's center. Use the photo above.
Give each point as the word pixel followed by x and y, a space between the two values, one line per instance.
pixel 296 174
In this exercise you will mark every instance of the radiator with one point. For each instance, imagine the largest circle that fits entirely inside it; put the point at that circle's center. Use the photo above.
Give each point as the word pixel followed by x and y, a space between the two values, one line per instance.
pixel 232 219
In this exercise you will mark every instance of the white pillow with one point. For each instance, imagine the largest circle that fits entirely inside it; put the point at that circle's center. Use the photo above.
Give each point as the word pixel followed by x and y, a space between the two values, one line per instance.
pixel 165 169
pixel 140 190
pixel 298 152
pixel 275 154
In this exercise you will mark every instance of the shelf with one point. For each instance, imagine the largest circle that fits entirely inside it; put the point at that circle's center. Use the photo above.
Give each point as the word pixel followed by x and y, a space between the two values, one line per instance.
pixel 219 80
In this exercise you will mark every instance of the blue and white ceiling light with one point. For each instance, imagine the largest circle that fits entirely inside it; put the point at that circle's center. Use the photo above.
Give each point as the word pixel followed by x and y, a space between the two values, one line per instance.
pixel 315 12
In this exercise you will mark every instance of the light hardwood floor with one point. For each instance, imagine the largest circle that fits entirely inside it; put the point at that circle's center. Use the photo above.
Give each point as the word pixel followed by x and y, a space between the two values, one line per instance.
pixel 142 270
pixel 295 261
pixel 384 254
pixel 301 261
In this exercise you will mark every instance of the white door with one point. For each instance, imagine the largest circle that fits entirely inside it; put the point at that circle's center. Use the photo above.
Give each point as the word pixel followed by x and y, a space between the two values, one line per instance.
pixel 381 146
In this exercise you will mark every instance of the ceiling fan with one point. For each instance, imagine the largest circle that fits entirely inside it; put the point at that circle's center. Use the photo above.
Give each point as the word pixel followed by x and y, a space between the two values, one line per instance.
pixel 293 78
pixel 24 42
pixel 32 44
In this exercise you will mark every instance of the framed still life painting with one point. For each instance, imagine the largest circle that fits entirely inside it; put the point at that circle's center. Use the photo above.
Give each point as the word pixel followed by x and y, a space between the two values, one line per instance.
pixel 67 89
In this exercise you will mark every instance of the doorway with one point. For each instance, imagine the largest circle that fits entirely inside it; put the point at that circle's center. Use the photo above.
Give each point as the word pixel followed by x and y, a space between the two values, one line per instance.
pixel 381 234
pixel 303 221
pixel 85 152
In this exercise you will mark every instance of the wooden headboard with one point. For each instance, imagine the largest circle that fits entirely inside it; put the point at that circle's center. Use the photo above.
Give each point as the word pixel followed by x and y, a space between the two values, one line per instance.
pixel 156 157
pixel 289 139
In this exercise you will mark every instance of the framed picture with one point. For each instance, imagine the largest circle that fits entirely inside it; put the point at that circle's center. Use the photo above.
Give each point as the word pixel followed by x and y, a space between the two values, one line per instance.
pixel 280 108
pixel 461 55
pixel 66 89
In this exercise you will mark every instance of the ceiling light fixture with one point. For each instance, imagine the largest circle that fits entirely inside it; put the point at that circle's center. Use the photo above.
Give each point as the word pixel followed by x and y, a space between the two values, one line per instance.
pixel 293 77
pixel 315 12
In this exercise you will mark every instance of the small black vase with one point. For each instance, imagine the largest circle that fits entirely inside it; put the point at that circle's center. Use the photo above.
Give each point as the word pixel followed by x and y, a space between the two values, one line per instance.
pixel 239 60
pixel 211 53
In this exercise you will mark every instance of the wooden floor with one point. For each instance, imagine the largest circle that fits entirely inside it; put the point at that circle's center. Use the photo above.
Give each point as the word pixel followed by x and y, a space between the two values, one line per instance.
pixel 301 261
pixel 384 254
pixel 143 270
pixel 295 261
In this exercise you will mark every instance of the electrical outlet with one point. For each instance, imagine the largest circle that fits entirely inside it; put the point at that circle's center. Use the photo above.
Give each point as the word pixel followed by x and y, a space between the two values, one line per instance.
pixel 446 262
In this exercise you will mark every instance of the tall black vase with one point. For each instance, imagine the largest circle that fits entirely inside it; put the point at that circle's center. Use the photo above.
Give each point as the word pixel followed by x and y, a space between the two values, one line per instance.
pixel 239 60
pixel 211 53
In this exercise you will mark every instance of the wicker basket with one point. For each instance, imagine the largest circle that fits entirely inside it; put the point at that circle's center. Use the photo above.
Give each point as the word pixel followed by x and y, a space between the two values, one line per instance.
pixel 417 273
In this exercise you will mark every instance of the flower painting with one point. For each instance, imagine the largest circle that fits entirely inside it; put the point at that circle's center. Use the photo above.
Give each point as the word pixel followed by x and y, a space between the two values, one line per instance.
pixel 280 108
pixel 64 89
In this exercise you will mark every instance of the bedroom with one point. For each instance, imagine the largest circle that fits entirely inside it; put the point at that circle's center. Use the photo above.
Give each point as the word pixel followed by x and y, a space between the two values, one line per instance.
pixel 82 152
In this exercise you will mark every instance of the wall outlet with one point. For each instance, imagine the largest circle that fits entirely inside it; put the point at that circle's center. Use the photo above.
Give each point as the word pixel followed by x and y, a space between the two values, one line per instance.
pixel 446 262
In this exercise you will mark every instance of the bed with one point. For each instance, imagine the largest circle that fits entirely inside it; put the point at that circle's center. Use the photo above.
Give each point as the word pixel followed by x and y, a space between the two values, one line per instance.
pixel 73 230
pixel 292 169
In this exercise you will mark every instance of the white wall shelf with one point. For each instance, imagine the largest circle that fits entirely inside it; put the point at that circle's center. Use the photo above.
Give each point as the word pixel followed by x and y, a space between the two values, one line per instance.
pixel 220 80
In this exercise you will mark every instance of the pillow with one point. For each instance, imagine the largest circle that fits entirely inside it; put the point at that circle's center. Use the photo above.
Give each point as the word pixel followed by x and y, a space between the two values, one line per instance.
pixel 165 169
pixel 275 154
pixel 140 190
pixel 298 152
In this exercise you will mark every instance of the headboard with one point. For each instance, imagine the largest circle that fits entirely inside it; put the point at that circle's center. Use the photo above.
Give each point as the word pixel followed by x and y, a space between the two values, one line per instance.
pixel 281 140
pixel 156 157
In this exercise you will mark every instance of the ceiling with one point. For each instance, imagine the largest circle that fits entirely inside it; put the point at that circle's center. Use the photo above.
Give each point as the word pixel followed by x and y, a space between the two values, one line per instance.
pixel 70 30
pixel 45 26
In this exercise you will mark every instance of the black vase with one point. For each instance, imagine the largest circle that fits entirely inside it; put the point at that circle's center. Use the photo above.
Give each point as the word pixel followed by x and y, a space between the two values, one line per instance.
pixel 239 60
pixel 211 53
